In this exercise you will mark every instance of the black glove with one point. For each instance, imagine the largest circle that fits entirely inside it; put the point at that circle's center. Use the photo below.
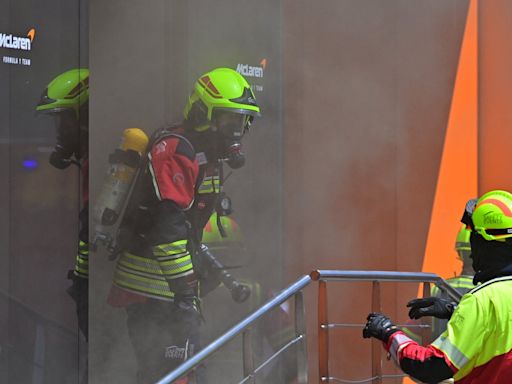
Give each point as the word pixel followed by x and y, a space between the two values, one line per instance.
pixel 431 306
pixel 187 302
pixel 379 326
pixel 59 160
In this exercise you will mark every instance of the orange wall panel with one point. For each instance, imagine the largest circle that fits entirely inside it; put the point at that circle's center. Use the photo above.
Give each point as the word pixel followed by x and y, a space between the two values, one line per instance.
pixel 495 93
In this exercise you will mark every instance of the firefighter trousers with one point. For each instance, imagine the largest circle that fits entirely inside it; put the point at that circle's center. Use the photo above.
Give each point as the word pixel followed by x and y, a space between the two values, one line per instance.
pixel 162 336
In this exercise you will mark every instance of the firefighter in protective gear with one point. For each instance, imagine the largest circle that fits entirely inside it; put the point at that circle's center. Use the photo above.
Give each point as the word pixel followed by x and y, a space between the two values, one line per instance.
pixel 439 301
pixel 157 277
pixel 66 99
pixel 476 347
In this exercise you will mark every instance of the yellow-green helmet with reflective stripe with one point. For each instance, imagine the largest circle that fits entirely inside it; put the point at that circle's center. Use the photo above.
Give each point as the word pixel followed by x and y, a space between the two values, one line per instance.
pixel 220 89
pixel 492 216
pixel 462 240
pixel 212 236
pixel 68 91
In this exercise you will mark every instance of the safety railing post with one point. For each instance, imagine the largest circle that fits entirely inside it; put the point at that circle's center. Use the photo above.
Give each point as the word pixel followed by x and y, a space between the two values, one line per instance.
pixel 247 355
pixel 300 330
pixel 323 333
pixel 426 332
pixel 376 345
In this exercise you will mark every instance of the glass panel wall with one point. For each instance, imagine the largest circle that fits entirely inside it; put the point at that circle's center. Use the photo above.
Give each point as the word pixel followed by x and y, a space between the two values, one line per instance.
pixel 39 339
pixel 145 58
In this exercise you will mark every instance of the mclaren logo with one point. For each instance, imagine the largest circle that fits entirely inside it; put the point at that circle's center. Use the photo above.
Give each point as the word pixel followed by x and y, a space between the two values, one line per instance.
pixel 252 71
pixel 23 43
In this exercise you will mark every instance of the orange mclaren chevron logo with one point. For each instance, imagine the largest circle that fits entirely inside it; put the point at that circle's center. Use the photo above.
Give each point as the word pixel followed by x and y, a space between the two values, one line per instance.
pixel 17 42
pixel 31 34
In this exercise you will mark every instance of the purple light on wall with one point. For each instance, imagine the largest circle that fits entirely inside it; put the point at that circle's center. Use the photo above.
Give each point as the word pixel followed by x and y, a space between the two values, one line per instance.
pixel 30 163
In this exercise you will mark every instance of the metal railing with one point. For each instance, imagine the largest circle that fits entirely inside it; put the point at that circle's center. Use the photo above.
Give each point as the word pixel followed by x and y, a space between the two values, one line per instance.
pixel 295 290
pixel 323 276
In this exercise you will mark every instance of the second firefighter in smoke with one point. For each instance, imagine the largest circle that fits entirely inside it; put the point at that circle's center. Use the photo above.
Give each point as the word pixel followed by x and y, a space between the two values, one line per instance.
pixel 163 268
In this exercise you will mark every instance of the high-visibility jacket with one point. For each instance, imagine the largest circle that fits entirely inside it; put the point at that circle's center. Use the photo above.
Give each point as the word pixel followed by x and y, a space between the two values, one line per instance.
pixel 463 284
pixel 476 347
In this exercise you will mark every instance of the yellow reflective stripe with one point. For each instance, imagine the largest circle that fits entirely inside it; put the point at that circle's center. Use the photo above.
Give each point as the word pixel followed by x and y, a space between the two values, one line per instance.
pixel 205 189
pixel 82 265
pixel 159 269
pixel 83 247
pixel 139 284
pixel 138 263
pixel 148 268
pixel 210 184
pixel 82 260
pixel 178 266
pixel 169 249
pixel 451 351
pixel 156 283
pixel 137 258
pixel 149 275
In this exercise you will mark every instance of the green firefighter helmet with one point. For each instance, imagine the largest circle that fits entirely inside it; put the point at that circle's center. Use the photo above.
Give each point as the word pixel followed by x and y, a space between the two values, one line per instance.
pixel 231 249
pixel 213 238
pixel 68 91
pixel 492 216
pixel 462 240
pixel 220 90
pixel 462 244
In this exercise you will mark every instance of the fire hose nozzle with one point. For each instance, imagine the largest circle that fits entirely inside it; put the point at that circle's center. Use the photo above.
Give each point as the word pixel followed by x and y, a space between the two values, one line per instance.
pixel 240 292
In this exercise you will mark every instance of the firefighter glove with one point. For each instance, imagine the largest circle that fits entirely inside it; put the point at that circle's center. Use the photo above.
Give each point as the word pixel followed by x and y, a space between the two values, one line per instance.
pixel 431 306
pixel 59 160
pixel 379 326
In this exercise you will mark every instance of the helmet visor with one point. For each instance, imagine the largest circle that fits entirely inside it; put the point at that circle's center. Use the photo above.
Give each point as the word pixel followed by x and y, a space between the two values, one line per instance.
pixel 468 213
pixel 230 124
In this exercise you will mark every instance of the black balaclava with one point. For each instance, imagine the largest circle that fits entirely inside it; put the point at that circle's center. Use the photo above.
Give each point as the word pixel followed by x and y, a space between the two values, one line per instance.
pixel 491 259
pixel 72 137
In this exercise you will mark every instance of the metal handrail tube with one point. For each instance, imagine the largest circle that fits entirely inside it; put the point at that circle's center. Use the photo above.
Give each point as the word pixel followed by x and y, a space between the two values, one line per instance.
pixel 418 277
pixel 407 277
pixel 189 364
pixel 279 352
pixel 361 325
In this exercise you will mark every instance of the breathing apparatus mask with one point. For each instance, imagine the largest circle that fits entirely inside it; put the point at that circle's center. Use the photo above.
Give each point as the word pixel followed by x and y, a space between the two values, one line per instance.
pixel 71 138
pixel 230 126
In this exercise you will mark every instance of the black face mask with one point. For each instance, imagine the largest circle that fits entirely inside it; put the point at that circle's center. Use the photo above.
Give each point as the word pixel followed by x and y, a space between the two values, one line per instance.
pixel 234 155
pixel 218 147
pixel 71 140
pixel 490 258
pixel 230 128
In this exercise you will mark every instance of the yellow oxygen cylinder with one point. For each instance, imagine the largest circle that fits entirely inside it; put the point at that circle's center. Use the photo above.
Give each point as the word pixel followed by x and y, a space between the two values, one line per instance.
pixel 124 162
